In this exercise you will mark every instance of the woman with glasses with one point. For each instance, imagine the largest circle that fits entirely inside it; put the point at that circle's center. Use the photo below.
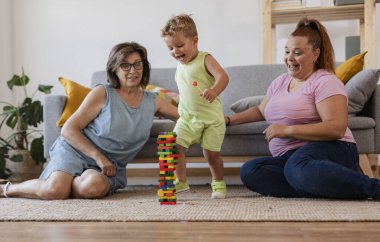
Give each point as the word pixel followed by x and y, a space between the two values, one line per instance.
pixel 112 124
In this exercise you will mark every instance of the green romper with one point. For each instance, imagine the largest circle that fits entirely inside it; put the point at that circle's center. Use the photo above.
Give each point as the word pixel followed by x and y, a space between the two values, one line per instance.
pixel 200 121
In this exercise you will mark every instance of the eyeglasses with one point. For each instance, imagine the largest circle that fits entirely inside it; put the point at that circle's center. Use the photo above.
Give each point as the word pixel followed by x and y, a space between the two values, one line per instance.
pixel 127 66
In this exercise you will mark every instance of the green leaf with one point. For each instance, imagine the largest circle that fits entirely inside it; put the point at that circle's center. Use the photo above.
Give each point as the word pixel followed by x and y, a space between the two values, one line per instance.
pixel 12 81
pixel 18 81
pixel 33 113
pixel 4 174
pixel 45 89
pixel 4 171
pixel 23 80
pixel 30 113
pixel 8 110
pixel 37 150
pixel 27 101
pixel 12 120
pixel 3 153
pixel 17 158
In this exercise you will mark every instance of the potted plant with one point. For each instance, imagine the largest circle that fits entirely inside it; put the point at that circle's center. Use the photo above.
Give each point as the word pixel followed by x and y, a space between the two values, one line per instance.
pixel 25 143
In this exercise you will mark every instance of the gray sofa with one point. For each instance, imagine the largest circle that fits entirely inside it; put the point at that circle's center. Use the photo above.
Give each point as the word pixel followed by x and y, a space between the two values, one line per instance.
pixel 240 140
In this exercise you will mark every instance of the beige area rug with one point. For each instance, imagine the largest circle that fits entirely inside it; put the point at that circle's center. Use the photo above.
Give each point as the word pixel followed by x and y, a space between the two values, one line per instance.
pixel 140 203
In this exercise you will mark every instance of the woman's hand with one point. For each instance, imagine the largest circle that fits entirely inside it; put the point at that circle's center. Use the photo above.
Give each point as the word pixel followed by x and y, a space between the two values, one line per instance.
pixel 333 124
pixel 276 131
pixel 227 120
pixel 108 168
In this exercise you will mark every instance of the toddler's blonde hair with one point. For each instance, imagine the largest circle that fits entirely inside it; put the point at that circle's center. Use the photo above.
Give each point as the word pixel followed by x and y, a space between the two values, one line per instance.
pixel 180 23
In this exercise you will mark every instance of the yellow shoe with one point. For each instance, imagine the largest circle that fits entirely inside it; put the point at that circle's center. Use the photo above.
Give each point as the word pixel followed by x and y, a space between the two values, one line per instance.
pixel 219 189
pixel 181 186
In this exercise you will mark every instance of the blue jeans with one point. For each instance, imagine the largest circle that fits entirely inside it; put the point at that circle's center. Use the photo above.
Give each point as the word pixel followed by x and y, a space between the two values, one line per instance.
pixel 324 169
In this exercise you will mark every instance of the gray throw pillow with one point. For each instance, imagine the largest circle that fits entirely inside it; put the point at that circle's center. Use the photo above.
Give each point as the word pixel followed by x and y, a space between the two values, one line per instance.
pixel 245 103
pixel 360 88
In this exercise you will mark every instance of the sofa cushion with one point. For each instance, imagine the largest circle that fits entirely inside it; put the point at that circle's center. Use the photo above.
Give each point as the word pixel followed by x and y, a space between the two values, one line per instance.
pixel 360 88
pixel 248 81
pixel 75 95
pixel 160 125
pixel 247 128
pixel 361 123
pixel 245 103
pixel 349 68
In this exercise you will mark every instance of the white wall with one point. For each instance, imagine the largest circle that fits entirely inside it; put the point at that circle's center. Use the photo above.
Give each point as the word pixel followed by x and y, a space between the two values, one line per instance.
pixel 337 30
pixel 72 38
pixel 5 48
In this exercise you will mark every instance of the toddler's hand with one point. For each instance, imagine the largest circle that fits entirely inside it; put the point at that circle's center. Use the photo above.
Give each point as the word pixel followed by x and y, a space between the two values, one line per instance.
pixel 209 95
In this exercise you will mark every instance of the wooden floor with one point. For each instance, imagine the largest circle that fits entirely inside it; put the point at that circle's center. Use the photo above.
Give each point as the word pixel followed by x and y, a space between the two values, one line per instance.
pixel 188 231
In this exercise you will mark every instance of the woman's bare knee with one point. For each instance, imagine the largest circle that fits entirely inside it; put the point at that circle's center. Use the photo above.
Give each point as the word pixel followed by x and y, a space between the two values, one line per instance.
pixel 91 190
pixel 90 185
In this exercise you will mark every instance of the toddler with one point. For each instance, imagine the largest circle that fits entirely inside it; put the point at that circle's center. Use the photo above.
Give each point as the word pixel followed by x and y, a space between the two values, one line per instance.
pixel 200 80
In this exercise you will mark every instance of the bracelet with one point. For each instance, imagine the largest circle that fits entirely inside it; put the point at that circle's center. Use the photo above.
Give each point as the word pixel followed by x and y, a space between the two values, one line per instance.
pixel 5 189
pixel 228 121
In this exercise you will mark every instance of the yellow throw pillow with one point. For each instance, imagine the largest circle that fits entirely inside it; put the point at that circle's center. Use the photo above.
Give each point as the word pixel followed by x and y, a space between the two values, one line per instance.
pixel 166 94
pixel 75 94
pixel 350 67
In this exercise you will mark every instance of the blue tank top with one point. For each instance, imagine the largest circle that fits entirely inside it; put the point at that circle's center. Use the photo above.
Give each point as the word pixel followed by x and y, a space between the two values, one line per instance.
pixel 121 131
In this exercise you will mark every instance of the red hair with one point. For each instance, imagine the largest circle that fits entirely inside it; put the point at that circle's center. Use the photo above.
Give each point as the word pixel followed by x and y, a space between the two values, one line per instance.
pixel 317 38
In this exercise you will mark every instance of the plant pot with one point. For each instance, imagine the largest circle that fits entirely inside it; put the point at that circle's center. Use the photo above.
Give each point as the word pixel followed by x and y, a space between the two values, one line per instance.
pixel 24 170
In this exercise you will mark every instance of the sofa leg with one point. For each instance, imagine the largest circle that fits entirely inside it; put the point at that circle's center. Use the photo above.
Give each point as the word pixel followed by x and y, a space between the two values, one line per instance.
pixel 365 165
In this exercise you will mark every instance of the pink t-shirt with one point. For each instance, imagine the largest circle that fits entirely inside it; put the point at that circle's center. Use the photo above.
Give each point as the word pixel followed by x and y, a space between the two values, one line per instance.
pixel 299 107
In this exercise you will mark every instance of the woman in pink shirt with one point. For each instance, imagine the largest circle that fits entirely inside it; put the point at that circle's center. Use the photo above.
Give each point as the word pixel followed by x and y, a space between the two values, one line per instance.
pixel 314 152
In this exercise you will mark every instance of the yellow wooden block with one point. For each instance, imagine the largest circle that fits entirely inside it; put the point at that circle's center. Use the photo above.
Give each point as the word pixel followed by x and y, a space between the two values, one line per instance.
pixel 166 136
pixel 165 197
pixel 165 158
pixel 162 193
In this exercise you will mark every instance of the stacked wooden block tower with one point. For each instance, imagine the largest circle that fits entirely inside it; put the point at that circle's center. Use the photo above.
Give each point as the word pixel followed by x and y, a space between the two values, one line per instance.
pixel 167 159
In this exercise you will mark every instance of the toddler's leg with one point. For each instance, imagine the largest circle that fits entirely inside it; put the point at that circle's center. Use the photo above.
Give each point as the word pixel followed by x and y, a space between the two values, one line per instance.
pixel 181 165
pixel 181 184
pixel 215 161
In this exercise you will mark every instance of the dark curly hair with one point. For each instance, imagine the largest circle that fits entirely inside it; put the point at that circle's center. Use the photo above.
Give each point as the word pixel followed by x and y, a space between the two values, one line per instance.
pixel 119 54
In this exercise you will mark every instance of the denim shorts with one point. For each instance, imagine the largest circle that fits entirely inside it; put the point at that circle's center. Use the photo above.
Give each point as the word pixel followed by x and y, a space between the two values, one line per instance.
pixel 63 157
